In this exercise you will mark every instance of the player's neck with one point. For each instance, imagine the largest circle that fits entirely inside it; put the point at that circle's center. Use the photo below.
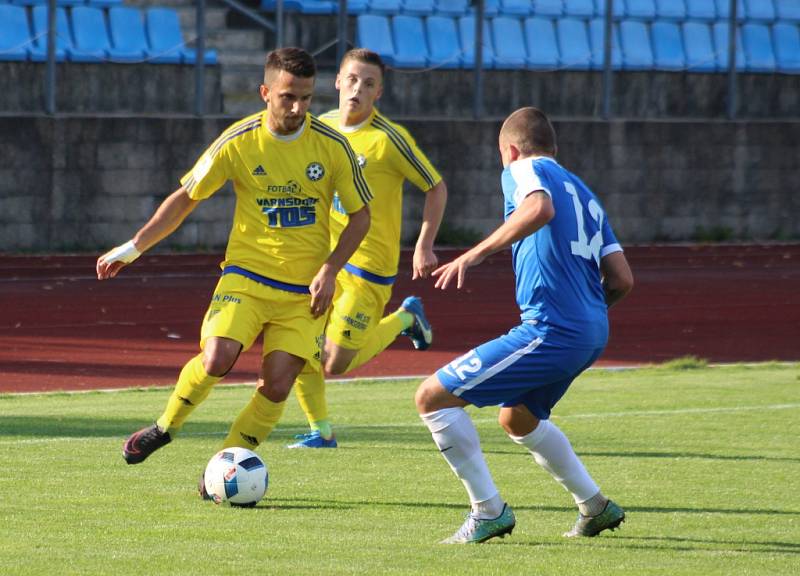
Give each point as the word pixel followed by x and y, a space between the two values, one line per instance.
pixel 280 134
pixel 354 122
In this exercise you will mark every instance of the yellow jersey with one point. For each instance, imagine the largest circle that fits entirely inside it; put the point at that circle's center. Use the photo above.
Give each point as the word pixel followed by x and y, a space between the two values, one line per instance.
pixel 388 155
pixel 284 192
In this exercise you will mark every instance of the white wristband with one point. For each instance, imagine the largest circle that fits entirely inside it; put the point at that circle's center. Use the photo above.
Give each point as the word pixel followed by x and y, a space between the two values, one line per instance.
pixel 125 253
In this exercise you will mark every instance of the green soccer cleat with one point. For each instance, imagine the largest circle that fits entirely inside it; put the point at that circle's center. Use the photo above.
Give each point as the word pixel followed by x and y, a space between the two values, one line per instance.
pixel 476 530
pixel 588 526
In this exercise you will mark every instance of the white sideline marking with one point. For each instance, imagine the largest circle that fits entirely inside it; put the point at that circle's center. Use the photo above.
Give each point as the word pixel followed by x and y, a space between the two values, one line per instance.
pixel 293 430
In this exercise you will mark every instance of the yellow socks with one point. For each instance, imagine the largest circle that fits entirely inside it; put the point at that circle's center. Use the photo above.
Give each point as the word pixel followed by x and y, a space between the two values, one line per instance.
pixel 255 422
pixel 384 334
pixel 194 385
pixel 310 389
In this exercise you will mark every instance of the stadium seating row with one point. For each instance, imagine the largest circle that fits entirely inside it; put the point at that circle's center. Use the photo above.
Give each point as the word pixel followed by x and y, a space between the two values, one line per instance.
pixel 101 3
pixel 648 10
pixel 571 43
pixel 93 34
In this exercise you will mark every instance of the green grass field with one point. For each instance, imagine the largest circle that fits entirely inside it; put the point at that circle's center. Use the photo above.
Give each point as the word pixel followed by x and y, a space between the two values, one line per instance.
pixel 705 461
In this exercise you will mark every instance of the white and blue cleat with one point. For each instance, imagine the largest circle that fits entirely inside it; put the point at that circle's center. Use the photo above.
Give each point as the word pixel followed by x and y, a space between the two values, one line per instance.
pixel 420 332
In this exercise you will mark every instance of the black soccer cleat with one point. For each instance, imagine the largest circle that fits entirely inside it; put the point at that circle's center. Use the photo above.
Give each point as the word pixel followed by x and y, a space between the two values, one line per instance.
pixel 141 444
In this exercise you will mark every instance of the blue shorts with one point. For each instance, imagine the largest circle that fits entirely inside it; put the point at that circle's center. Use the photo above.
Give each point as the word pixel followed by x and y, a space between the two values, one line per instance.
pixel 521 367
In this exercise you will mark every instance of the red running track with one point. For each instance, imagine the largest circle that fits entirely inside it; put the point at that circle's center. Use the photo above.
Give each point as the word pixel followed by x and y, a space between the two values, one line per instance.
pixel 61 329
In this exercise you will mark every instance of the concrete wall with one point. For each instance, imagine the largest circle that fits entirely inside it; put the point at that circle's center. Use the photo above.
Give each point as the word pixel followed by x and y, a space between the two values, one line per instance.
pixel 86 183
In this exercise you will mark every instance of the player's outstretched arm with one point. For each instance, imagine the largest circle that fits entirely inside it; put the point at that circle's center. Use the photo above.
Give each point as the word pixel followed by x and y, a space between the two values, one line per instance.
pixel 323 285
pixel 617 277
pixel 425 261
pixel 535 211
pixel 169 215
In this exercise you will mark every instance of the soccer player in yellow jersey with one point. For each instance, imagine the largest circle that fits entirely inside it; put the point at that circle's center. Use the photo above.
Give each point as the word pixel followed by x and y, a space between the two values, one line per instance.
pixel 389 156
pixel 279 273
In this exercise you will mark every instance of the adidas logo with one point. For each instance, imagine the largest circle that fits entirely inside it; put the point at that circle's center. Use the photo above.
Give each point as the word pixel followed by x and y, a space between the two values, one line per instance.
pixel 259 171
pixel 346 333
pixel 252 440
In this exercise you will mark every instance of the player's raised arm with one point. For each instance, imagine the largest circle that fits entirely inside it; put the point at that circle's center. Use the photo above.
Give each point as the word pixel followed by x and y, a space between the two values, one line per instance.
pixel 169 215
pixel 425 261
pixel 534 211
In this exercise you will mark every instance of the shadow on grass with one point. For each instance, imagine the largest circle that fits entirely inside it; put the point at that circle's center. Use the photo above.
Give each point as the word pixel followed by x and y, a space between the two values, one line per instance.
pixel 667 455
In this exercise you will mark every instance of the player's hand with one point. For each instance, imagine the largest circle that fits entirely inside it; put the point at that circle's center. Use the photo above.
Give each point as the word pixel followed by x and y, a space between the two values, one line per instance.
pixel 456 269
pixel 423 263
pixel 110 263
pixel 322 288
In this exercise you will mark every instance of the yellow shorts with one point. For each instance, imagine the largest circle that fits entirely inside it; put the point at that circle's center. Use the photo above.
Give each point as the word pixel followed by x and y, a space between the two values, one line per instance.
pixel 242 308
pixel 357 308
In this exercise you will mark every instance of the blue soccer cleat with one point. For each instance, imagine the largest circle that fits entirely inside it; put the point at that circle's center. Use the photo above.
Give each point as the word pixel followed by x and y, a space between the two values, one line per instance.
pixel 313 439
pixel 420 332
pixel 476 530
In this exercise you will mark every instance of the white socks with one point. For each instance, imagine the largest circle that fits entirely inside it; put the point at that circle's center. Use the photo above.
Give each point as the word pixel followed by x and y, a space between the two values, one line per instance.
pixel 457 440
pixel 552 451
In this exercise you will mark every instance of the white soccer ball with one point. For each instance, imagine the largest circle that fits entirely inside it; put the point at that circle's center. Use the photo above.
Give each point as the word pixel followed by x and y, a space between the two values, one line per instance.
pixel 236 476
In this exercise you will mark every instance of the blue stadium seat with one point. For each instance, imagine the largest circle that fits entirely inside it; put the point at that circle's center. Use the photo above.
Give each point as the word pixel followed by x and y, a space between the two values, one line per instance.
pixel 760 10
pixel 668 52
pixel 640 9
pixel 509 44
pixel 410 48
pixel 618 10
pixel 419 7
pixel 515 7
pixel 354 7
pixel 90 34
pixel 466 34
pixel 670 10
pixel 15 34
pixel 705 10
pixel 724 10
pixel 548 8
pixel 128 38
pixel 490 8
pixel 699 46
pixel 385 7
pixel 597 41
pixel 373 32
pixel 720 30
pixel 104 3
pixel 443 48
pixel 786 38
pixel 573 44
pixel 579 8
pixel 63 38
pixel 758 53
pixel 787 10
pixel 452 7
pixel 309 6
pixel 637 52
pixel 540 40
pixel 166 39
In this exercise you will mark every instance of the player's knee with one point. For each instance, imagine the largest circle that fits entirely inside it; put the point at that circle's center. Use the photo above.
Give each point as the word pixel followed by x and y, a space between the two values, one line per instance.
pixel 425 398
pixel 336 366
pixel 218 359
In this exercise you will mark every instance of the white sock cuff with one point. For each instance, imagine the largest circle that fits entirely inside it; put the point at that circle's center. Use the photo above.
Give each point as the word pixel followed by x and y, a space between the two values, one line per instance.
pixel 534 438
pixel 440 419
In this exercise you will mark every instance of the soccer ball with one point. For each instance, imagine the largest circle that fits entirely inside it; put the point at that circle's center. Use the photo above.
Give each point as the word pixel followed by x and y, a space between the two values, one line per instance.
pixel 236 476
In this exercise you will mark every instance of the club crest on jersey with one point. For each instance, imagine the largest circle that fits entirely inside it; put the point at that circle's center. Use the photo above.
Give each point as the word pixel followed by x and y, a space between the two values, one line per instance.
pixel 362 160
pixel 315 171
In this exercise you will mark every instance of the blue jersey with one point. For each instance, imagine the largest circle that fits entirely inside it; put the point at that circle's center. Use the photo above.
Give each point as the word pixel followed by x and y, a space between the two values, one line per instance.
pixel 557 268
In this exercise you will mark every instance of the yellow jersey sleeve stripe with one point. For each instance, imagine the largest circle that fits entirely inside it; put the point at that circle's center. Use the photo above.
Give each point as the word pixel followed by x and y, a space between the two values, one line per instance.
pixel 190 184
pixel 358 177
pixel 233 132
pixel 403 147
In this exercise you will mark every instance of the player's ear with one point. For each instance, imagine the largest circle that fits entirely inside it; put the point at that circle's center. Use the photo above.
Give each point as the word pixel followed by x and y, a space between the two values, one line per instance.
pixel 264 91
pixel 513 152
pixel 338 83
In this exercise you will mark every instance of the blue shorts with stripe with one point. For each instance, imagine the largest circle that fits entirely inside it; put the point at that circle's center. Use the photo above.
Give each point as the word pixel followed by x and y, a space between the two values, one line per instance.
pixel 521 367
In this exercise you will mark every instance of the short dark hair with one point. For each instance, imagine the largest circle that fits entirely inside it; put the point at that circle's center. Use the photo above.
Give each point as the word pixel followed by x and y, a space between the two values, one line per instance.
pixel 365 56
pixel 295 61
pixel 530 130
